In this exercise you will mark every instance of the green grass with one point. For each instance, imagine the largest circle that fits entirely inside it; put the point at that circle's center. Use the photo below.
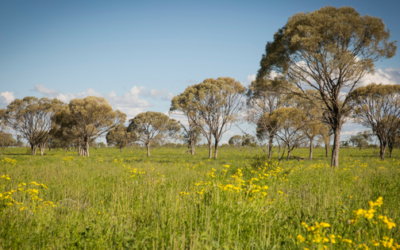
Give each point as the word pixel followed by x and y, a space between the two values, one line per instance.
pixel 178 201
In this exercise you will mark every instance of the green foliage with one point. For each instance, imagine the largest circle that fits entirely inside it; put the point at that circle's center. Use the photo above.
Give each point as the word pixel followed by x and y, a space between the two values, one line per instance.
pixel 153 127
pixel 84 120
pixel 212 106
pixel 235 141
pixel 120 137
pixel 361 139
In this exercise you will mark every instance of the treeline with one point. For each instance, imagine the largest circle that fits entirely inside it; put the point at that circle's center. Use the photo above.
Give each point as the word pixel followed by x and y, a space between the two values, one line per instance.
pixel 309 84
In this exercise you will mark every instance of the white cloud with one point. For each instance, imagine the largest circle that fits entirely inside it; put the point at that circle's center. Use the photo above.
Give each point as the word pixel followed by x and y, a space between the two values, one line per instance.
pixel 168 96
pixel 48 92
pixel 136 91
pixel 6 98
pixel 250 78
pixel 386 76
pixel 179 116
pixel 69 96
pixel 129 103
pixel 155 94
pixel 354 132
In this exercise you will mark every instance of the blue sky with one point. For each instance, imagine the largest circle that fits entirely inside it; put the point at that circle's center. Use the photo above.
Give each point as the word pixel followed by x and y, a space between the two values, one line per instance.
pixel 138 54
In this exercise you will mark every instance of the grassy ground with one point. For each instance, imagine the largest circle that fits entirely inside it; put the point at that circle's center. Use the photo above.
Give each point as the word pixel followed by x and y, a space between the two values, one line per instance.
pixel 177 201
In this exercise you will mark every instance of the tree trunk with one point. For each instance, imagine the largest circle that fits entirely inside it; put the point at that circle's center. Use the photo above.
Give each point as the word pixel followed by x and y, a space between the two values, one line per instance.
pixel 311 149
pixel 120 149
pixel 42 147
pixel 192 147
pixel 216 149
pixel 210 149
pixel 326 150
pixel 382 151
pixel 87 149
pixel 148 149
pixel 390 152
pixel 288 153
pixel 270 145
pixel 33 149
pixel 336 147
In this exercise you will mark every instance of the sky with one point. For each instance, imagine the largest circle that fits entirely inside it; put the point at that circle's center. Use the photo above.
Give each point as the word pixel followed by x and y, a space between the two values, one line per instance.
pixel 139 54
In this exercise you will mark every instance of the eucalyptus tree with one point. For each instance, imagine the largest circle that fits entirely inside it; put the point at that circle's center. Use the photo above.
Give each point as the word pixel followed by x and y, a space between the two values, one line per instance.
pixel 213 106
pixel 191 136
pixel 151 127
pixel 85 120
pixel 120 137
pixel 313 112
pixel 264 96
pixel 361 139
pixel 248 140
pixel 33 119
pixel 325 132
pixel 329 50
pixel 235 141
pixel 6 138
pixel 377 107
pixel 290 122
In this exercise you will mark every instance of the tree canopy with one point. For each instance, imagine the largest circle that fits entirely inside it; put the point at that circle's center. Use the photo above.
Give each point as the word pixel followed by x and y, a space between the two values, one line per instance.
pixel 120 137
pixel 327 50
pixel 377 106
pixel 152 127
pixel 212 106
pixel 33 118
pixel 87 119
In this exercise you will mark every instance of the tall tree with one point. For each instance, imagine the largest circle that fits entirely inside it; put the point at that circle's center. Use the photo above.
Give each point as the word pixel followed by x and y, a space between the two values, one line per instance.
pixel 6 138
pixel 378 107
pixel 313 112
pixel 325 133
pixel 151 127
pixel 248 140
pixel 361 139
pixel 32 118
pixel 212 106
pixel 191 136
pixel 329 50
pixel 264 96
pixel 290 122
pixel 120 137
pixel 87 119
pixel 19 142
pixel 235 140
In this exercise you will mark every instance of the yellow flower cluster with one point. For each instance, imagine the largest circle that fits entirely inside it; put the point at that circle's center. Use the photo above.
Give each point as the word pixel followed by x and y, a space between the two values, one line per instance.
pixel 318 234
pixel 211 173
pixel 369 214
pixel 68 159
pixel 8 160
pixel 134 171
pixel 8 197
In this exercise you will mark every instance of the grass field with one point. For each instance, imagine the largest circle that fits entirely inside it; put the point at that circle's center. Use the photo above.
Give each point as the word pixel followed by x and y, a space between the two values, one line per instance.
pixel 177 201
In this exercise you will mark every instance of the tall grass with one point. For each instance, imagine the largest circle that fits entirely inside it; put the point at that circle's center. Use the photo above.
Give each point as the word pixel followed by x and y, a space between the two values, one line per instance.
pixel 177 201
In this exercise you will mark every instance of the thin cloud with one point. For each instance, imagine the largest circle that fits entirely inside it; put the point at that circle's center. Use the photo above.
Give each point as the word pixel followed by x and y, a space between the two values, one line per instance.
pixel 43 90
pixel 5 98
